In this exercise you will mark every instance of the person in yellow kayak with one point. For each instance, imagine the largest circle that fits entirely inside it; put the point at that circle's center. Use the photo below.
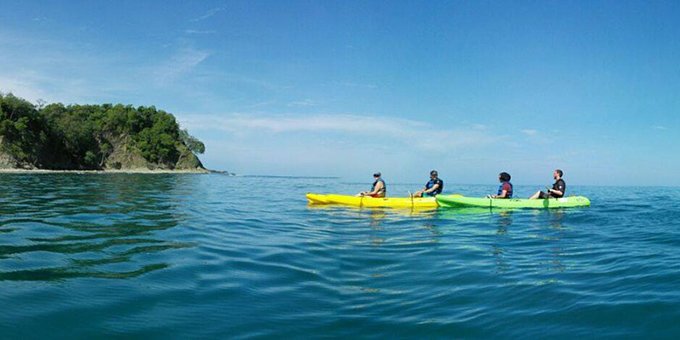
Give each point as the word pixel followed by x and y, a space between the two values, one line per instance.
pixel 433 187
pixel 558 189
pixel 505 189
pixel 379 189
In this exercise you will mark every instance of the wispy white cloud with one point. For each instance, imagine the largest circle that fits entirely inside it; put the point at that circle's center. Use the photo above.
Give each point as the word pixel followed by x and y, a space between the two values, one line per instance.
pixel 300 123
pixel 413 133
pixel 660 127
pixel 338 144
pixel 211 12
pixel 31 85
pixel 529 132
pixel 302 103
pixel 181 63
pixel 198 32
pixel 258 105
pixel 265 84
pixel 23 88
pixel 56 70
pixel 354 84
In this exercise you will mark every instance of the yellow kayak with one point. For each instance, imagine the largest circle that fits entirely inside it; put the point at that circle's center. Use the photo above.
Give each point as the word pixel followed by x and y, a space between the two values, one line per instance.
pixel 372 202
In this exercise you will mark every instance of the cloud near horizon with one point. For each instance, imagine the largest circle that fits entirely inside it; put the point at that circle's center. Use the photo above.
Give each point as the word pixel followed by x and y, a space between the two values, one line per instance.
pixel 336 144
pixel 417 134
pixel 23 88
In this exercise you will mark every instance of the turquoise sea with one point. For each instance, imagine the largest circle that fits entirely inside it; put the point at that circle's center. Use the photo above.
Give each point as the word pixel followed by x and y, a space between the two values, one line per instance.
pixel 212 256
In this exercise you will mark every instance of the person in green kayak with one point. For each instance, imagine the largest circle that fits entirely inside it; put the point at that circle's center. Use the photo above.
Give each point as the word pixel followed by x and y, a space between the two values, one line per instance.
pixel 557 191
pixel 505 189
pixel 433 187
pixel 379 189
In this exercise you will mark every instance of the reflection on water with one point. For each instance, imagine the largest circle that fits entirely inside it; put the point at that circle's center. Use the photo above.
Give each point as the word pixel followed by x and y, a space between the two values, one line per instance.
pixel 504 246
pixel 66 226
pixel 557 250
pixel 547 237
pixel 191 256
pixel 503 222
pixel 434 230
pixel 376 219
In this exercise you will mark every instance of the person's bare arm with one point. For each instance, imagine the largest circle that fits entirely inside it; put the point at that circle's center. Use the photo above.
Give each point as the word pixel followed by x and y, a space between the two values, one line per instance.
pixel 376 190
pixel 434 187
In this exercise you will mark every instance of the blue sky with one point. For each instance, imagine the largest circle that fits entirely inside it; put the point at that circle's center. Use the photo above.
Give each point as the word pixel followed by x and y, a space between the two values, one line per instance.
pixel 349 87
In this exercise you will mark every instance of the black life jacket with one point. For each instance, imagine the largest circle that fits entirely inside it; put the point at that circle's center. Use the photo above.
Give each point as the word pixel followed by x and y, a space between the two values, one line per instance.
pixel 383 191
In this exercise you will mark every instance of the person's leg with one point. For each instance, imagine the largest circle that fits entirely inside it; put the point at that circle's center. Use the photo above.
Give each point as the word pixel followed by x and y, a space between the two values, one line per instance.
pixel 536 195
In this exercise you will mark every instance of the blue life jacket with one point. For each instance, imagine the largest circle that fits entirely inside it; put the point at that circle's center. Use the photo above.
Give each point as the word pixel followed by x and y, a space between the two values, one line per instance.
pixel 431 183
pixel 500 190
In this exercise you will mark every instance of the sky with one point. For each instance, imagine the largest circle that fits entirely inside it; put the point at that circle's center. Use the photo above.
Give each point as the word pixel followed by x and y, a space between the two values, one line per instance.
pixel 347 88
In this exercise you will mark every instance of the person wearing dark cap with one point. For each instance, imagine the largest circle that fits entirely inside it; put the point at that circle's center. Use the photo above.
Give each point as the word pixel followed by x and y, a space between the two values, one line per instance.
pixel 505 189
pixel 433 187
pixel 558 189
pixel 379 189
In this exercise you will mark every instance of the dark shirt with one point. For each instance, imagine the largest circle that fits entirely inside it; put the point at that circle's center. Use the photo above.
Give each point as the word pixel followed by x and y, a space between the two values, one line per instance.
pixel 432 183
pixel 561 186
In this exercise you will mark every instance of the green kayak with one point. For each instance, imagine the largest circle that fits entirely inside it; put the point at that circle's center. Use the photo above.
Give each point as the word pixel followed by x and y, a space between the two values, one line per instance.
pixel 453 201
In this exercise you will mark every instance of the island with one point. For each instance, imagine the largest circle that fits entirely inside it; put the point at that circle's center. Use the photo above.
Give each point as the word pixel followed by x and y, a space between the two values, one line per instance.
pixel 106 137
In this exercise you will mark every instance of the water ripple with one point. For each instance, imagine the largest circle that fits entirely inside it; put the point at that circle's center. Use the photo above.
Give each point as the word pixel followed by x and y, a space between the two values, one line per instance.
pixel 193 256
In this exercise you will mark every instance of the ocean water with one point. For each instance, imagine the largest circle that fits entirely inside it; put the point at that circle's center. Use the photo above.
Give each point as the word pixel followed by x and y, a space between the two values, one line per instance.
pixel 212 256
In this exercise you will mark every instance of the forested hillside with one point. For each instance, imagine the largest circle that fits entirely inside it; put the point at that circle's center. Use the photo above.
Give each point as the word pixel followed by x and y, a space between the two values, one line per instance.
pixel 92 137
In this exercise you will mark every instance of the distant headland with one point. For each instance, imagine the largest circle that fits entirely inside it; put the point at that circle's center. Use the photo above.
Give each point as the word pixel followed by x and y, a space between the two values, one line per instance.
pixel 106 137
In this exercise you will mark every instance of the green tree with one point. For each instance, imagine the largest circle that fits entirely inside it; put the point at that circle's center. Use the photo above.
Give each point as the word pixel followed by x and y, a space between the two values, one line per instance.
pixel 83 136
pixel 194 145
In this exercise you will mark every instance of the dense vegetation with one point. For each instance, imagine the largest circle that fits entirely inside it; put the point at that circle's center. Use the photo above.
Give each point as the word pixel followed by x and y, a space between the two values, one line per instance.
pixel 56 136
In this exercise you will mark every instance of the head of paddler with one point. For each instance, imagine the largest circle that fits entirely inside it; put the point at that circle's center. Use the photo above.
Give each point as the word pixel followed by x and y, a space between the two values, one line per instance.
pixel 504 177
pixel 557 174
pixel 433 174
pixel 377 174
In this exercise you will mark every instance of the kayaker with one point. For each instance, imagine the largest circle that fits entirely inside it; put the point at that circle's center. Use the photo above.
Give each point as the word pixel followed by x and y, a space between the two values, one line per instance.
pixel 433 187
pixel 379 189
pixel 505 189
pixel 558 189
